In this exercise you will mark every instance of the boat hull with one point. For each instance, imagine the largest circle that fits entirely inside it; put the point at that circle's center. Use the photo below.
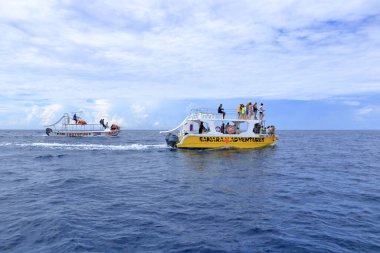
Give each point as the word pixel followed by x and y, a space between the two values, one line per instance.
pixel 84 133
pixel 205 142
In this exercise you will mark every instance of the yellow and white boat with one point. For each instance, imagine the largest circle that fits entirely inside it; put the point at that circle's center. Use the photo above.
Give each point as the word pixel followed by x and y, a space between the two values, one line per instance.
pixel 202 129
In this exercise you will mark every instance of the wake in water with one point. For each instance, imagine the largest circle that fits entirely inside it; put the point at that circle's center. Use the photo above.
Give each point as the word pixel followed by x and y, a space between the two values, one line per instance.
pixel 69 146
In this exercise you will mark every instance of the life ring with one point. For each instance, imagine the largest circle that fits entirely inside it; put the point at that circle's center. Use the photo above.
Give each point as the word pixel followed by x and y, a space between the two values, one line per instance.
pixel 217 128
pixel 230 129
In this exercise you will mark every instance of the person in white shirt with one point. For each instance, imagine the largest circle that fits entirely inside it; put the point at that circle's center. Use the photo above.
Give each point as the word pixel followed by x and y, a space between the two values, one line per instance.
pixel 261 111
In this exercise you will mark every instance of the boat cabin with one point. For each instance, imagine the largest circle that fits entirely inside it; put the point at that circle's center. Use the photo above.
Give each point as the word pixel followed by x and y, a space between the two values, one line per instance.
pixel 214 124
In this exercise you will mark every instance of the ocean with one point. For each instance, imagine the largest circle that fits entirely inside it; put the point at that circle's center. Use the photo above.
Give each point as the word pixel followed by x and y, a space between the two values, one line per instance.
pixel 314 191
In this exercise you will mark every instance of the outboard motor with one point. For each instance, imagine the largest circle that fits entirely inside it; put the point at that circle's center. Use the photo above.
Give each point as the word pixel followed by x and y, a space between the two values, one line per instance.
pixel 48 131
pixel 171 140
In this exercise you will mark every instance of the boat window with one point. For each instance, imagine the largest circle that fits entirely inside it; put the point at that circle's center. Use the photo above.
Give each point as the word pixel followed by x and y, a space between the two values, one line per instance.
pixel 218 125
pixel 206 127
pixel 190 127
pixel 242 127
pixel 193 127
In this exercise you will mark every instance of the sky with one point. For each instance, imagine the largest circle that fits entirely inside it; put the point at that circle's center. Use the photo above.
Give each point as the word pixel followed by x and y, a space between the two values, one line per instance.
pixel 144 64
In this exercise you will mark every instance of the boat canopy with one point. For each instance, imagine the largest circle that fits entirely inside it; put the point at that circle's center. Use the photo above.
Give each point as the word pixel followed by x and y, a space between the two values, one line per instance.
pixel 205 115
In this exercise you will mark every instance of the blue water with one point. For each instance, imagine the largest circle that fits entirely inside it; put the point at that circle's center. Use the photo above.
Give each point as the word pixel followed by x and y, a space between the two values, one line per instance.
pixel 315 191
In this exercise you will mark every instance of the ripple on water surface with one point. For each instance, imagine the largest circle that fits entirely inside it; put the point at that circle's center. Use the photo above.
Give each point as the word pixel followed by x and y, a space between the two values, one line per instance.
pixel 315 191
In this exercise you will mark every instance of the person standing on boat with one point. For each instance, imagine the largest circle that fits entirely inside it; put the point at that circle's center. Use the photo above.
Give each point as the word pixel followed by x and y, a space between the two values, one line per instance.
pixel 247 111
pixel 239 111
pixel 221 110
pixel 222 128
pixel 201 128
pixel 75 118
pixel 102 123
pixel 243 111
pixel 255 110
pixel 250 110
pixel 261 111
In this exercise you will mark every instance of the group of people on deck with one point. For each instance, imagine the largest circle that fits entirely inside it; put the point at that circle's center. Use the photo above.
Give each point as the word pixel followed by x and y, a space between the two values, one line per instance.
pixel 246 111
pixel 79 121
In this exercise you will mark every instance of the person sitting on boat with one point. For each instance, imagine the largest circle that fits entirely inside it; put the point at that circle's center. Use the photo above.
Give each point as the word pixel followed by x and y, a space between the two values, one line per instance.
pixel 263 130
pixel 256 128
pixel 269 130
pixel 75 118
pixel 102 123
pixel 114 127
pixel 221 110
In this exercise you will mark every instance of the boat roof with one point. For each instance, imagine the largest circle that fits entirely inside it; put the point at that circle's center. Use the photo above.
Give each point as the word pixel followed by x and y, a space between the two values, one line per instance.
pixel 203 115
pixel 225 119
pixel 207 115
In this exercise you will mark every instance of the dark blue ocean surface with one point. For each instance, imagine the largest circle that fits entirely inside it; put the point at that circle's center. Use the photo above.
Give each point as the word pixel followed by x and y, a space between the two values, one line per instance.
pixel 315 191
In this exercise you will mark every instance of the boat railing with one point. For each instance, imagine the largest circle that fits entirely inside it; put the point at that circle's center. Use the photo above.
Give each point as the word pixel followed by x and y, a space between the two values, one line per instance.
pixel 64 117
pixel 206 113
pixel 86 127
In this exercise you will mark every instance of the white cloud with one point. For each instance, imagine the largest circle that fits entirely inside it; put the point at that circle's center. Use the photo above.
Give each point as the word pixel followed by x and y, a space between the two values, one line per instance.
pixel 100 107
pixel 351 103
pixel 368 113
pixel 365 111
pixel 118 120
pixel 26 10
pixel 139 111
pixel 69 51
pixel 44 114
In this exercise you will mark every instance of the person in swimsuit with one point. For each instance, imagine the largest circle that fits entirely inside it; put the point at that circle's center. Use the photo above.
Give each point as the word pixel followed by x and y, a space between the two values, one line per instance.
pixel 239 111
pixel 247 111
pixel 261 111
pixel 255 110
pixel 250 110
pixel 243 112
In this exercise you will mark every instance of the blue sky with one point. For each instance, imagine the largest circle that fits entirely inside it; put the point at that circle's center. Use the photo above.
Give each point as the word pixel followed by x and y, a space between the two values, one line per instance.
pixel 314 64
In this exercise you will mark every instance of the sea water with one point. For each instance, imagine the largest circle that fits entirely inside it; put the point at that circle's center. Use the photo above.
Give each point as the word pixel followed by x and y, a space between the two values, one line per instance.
pixel 314 191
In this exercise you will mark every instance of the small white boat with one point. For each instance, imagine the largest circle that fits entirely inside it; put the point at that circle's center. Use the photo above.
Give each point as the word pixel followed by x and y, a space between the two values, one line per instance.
pixel 80 128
